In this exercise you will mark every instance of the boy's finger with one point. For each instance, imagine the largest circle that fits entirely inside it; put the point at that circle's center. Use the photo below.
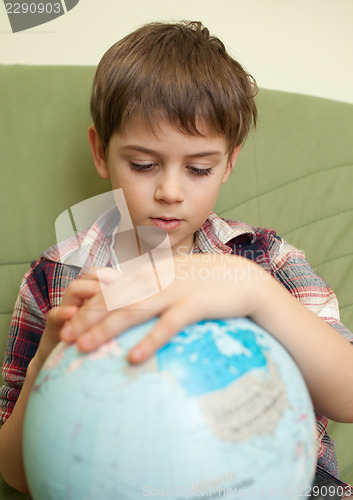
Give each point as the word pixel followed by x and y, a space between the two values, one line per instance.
pixel 59 315
pixel 80 290
pixel 110 326
pixel 168 325
pixel 88 315
pixel 95 322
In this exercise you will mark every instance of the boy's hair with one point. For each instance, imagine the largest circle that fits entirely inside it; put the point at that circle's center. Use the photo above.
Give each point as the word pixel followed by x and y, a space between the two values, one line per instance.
pixel 175 72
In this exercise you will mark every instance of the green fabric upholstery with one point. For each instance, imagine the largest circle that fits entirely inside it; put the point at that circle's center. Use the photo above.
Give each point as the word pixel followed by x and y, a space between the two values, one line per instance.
pixel 294 174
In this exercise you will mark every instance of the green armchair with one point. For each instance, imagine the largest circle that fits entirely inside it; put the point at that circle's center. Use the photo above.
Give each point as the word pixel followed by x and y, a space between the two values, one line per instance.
pixel 294 174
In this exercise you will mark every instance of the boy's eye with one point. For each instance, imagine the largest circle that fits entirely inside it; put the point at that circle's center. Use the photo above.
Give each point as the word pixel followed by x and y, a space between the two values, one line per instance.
pixel 146 167
pixel 201 171
pixel 141 167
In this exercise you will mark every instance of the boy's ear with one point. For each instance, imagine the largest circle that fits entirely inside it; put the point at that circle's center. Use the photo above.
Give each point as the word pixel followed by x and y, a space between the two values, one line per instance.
pixel 98 153
pixel 231 163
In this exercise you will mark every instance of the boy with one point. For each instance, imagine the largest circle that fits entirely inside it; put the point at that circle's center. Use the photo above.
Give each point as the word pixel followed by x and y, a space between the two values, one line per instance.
pixel 171 109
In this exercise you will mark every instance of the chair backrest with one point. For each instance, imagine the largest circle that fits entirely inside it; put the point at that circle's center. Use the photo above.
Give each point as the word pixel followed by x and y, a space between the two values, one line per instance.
pixel 294 174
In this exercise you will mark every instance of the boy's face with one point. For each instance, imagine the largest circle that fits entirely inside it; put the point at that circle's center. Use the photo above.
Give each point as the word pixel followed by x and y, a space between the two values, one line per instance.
pixel 169 179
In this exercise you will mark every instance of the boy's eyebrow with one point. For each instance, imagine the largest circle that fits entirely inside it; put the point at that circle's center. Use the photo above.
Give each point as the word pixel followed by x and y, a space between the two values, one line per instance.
pixel 200 154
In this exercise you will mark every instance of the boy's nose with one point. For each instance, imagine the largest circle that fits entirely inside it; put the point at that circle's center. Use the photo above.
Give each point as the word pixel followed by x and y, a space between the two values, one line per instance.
pixel 169 189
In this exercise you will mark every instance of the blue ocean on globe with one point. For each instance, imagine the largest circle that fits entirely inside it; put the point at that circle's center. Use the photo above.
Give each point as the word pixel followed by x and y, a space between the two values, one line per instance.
pixel 220 411
pixel 189 356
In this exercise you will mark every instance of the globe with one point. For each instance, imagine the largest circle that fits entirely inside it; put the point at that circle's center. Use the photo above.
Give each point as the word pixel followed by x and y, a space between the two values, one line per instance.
pixel 221 410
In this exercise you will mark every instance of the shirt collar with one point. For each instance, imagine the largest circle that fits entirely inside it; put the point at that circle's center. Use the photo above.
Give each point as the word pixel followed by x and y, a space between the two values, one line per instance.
pixel 215 233
pixel 90 247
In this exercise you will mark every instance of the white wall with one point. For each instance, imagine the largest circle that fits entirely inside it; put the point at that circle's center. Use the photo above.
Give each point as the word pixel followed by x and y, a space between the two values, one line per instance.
pixel 304 46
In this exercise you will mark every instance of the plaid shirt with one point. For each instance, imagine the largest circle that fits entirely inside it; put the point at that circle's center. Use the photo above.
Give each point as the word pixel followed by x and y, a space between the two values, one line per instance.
pixel 44 284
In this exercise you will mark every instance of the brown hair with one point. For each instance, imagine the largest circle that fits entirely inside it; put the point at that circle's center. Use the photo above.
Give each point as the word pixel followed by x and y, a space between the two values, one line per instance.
pixel 176 72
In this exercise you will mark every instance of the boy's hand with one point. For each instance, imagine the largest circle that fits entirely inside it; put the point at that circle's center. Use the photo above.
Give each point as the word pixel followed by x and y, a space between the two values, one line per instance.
pixel 208 286
pixel 215 286
pixel 76 294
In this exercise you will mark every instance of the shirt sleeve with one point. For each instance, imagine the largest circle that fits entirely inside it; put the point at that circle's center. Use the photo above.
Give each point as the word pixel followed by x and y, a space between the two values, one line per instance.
pixel 41 289
pixel 26 327
pixel 292 269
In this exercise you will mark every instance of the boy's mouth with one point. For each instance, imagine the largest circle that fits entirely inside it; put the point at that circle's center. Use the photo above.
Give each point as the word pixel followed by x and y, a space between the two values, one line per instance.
pixel 166 223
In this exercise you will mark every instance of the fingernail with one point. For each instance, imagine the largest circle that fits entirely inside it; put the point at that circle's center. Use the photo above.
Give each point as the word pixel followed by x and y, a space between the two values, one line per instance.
pixel 136 355
pixel 67 333
pixel 85 342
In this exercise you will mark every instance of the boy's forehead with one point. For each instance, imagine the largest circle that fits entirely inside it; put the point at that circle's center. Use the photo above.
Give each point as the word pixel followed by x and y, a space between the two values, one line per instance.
pixel 159 127
pixel 167 139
